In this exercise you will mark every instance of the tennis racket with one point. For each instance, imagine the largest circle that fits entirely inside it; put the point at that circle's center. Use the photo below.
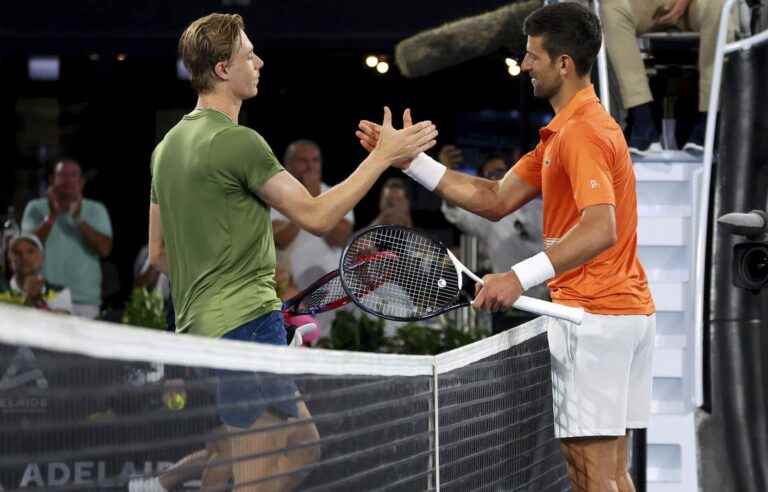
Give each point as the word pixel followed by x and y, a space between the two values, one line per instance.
pixel 415 277
pixel 326 293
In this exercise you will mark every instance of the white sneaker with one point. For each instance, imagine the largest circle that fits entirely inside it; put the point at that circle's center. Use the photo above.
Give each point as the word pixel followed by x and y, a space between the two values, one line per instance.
pixel 142 484
pixel 693 148
pixel 654 148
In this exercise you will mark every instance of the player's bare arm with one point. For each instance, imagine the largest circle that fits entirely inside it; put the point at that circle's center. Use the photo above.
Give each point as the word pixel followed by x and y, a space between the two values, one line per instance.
pixel 319 215
pixel 595 233
pixel 157 257
pixel 493 200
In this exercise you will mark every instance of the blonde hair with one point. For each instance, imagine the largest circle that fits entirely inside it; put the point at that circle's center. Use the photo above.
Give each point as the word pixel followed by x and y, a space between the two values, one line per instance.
pixel 206 42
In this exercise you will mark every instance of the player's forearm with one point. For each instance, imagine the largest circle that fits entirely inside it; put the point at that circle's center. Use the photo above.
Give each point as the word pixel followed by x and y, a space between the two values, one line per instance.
pixel 159 260
pixel 330 207
pixel 477 195
pixel 582 243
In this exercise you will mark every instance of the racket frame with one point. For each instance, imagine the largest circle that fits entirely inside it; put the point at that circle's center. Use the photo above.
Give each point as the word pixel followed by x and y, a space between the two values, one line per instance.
pixel 525 303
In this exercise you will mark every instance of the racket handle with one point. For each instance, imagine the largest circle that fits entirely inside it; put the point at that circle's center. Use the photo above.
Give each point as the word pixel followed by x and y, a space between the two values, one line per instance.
pixel 546 308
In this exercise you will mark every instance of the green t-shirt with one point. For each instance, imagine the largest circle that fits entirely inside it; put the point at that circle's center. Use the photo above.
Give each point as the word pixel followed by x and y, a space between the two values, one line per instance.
pixel 217 232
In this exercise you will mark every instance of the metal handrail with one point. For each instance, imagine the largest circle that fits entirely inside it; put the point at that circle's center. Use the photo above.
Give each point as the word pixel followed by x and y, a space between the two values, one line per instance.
pixel 602 67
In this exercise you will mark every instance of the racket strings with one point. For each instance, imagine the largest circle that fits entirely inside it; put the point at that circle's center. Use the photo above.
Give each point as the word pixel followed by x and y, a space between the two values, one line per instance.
pixel 327 293
pixel 414 278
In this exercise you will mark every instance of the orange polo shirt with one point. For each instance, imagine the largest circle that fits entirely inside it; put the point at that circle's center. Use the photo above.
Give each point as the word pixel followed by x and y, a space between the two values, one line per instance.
pixel 583 160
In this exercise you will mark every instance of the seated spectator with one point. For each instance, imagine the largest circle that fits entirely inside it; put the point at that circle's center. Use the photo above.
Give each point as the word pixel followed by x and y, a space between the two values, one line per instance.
pixel 28 285
pixel 76 232
pixel 394 204
pixel 510 240
pixel 623 21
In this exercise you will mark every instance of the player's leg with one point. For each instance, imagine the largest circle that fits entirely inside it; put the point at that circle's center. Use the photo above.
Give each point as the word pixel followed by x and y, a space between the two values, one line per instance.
pixel 218 471
pixel 256 453
pixel 591 366
pixel 639 396
pixel 592 463
pixel 299 437
pixel 623 478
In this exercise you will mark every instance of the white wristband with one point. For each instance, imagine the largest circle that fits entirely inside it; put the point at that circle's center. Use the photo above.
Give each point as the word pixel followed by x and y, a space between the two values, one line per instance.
pixel 426 171
pixel 534 270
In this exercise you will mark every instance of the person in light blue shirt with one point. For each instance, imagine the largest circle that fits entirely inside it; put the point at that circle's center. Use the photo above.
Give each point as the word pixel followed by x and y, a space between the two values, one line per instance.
pixel 76 232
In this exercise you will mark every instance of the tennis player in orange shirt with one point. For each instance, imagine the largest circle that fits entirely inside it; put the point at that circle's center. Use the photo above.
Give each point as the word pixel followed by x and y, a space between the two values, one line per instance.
pixel 601 370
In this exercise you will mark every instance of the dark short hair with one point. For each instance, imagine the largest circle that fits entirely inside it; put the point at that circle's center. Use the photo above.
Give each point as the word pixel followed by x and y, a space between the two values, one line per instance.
pixel 567 29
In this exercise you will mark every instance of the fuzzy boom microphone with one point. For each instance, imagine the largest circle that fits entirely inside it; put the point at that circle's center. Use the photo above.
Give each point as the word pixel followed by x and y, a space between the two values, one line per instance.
pixel 462 40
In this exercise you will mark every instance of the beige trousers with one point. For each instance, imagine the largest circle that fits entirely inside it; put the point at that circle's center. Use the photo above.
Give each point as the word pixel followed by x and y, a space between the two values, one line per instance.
pixel 624 20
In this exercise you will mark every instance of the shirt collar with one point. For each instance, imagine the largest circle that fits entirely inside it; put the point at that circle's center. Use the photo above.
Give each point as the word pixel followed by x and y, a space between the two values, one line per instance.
pixel 579 100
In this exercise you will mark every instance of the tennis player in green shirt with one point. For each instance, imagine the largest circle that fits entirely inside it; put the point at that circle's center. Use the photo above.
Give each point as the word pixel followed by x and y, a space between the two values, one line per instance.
pixel 213 183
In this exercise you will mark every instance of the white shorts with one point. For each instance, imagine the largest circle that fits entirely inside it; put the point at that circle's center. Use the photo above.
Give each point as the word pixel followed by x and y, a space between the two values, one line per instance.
pixel 601 374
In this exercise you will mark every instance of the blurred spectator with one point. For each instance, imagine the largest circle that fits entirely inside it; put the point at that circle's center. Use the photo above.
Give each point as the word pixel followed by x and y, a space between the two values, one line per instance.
pixel 510 240
pixel 394 204
pixel 76 232
pixel 623 21
pixel 28 285
pixel 310 256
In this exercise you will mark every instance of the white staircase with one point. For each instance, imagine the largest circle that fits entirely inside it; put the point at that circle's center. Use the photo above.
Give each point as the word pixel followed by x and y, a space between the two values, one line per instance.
pixel 668 191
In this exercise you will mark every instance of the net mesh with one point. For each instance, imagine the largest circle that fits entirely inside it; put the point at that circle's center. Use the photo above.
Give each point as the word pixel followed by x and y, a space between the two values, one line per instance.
pixel 78 420
pixel 415 280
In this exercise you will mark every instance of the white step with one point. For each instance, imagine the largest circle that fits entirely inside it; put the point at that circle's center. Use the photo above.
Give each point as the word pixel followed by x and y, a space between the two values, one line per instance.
pixel 665 263
pixel 663 231
pixel 671 453
pixel 664 171
pixel 668 362
pixel 669 296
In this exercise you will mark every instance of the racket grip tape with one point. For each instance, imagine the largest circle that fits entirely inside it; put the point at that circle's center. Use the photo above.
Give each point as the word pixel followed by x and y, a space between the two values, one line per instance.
pixel 532 305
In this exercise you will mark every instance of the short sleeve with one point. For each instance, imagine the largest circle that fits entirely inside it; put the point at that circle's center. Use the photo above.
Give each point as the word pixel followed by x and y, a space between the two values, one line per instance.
pixel 34 215
pixel 587 162
pixel 98 218
pixel 245 156
pixel 528 167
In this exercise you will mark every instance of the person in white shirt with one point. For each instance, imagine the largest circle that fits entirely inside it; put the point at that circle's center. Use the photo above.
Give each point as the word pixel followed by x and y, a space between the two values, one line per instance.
pixel 508 241
pixel 28 285
pixel 309 256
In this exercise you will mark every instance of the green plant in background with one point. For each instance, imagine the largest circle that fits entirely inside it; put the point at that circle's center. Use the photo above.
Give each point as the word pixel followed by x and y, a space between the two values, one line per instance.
pixel 364 334
pixel 348 332
pixel 453 337
pixel 416 339
pixel 145 309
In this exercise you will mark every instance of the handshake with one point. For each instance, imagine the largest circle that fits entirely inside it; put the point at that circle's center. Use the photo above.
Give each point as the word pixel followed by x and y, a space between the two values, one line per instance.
pixel 397 147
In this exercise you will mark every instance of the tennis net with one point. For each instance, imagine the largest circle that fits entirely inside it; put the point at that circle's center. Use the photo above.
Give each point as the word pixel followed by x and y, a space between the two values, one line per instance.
pixel 89 405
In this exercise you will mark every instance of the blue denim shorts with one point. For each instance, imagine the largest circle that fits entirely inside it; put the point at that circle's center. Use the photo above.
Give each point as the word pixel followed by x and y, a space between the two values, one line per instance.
pixel 243 396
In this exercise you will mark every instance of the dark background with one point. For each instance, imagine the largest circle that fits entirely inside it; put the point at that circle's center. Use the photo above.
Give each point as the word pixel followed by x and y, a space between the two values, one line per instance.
pixel 109 114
